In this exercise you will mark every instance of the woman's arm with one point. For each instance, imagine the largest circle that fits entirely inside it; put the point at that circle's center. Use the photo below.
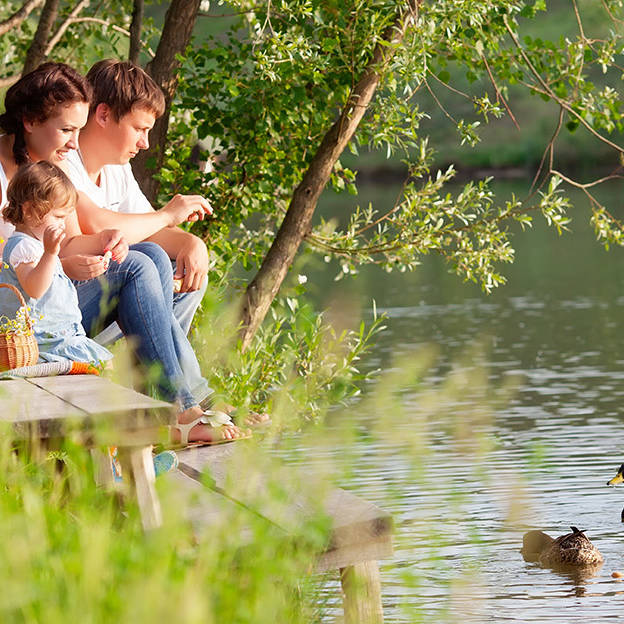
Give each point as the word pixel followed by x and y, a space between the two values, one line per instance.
pixel 81 254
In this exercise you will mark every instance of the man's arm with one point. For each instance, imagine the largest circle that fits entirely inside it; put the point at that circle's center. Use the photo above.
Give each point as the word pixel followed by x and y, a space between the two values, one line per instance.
pixel 190 254
pixel 137 227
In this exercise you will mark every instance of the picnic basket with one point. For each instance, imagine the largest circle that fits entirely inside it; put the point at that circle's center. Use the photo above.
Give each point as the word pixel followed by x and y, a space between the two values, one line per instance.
pixel 18 348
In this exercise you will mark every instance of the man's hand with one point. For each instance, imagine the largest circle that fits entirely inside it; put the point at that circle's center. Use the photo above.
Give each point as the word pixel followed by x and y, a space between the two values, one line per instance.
pixel 114 241
pixel 183 208
pixel 83 267
pixel 192 264
pixel 53 236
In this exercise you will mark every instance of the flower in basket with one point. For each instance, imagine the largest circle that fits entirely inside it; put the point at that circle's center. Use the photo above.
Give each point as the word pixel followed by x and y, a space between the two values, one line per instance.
pixel 19 326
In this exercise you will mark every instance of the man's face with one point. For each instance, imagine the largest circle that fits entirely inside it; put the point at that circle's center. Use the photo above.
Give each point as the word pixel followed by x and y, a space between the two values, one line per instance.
pixel 130 134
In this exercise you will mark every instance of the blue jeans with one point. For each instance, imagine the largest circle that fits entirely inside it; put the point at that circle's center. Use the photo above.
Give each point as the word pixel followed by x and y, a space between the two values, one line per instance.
pixel 135 295
pixel 184 308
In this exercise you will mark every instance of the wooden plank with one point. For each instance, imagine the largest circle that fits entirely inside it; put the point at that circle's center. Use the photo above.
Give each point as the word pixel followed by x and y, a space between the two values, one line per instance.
pixel 355 553
pixel 355 520
pixel 21 402
pixel 143 477
pixel 103 400
pixel 360 530
pixel 203 507
pixel 48 403
pixel 97 395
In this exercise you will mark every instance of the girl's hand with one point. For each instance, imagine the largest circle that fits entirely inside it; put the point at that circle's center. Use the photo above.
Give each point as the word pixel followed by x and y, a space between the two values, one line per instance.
pixel 114 241
pixel 53 236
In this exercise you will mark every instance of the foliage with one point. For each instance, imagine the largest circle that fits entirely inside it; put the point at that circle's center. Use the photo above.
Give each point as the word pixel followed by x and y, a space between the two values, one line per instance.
pixel 267 91
pixel 69 553
pixel 98 31
pixel 302 363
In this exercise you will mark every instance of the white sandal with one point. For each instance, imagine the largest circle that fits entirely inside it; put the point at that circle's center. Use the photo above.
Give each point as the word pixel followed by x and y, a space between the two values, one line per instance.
pixel 214 419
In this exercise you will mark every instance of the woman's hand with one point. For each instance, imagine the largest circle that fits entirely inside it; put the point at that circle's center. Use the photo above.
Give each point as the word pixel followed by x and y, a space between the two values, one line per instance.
pixel 83 267
pixel 114 241
pixel 53 236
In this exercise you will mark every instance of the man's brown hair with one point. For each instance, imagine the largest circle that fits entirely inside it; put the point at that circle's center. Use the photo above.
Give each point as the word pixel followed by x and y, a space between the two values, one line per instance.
pixel 122 86
pixel 41 185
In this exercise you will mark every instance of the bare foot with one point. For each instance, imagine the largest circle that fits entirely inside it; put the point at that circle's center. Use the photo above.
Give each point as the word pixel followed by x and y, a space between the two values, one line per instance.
pixel 202 432
pixel 252 419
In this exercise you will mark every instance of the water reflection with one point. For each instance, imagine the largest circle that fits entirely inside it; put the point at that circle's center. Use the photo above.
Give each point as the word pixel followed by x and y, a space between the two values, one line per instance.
pixel 556 329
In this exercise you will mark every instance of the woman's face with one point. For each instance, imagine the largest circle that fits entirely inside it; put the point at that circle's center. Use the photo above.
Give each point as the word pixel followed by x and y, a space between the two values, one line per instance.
pixel 51 139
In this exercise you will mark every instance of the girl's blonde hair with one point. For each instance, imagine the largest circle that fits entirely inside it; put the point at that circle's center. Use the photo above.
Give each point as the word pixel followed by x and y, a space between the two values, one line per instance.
pixel 41 185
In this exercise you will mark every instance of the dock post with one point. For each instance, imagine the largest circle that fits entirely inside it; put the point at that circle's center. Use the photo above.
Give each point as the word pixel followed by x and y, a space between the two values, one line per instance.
pixel 361 587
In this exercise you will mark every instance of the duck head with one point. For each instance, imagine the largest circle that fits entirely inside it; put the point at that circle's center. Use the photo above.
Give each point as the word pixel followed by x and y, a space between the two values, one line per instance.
pixel 619 478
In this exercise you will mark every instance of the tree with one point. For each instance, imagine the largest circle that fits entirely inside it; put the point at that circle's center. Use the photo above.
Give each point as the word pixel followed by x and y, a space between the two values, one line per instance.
pixel 275 96
pixel 176 35
pixel 288 86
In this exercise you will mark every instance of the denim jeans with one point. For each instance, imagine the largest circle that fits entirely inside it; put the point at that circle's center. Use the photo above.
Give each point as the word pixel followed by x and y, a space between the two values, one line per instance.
pixel 184 308
pixel 133 294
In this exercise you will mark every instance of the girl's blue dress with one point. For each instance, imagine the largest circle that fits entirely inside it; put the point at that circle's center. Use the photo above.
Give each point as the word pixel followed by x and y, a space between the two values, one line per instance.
pixel 56 315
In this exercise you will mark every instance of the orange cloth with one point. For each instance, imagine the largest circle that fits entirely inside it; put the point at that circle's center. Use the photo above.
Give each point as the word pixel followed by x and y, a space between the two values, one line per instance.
pixel 83 368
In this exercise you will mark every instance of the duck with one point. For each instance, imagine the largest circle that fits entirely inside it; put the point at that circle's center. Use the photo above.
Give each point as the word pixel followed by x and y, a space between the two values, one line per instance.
pixel 619 478
pixel 571 550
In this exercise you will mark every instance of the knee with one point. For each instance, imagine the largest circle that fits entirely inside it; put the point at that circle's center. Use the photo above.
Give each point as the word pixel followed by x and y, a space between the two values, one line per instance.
pixel 159 258
pixel 139 265
pixel 156 254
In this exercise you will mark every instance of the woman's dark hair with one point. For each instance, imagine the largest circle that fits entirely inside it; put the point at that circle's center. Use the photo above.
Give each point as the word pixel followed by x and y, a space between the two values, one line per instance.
pixel 34 96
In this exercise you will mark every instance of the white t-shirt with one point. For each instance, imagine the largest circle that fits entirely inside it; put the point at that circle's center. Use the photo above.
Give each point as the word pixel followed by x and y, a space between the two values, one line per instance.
pixel 26 251
pixel 118 190
pixel 6 228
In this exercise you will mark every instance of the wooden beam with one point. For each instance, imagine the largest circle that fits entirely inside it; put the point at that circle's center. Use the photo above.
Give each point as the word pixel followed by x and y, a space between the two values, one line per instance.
pixel 361 588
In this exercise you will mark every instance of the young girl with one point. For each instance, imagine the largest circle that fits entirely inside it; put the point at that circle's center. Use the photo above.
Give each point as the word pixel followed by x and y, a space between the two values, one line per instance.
pixel 40 197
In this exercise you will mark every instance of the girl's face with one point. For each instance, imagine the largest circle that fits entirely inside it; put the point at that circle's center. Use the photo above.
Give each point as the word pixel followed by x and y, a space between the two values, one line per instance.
pixel 51 139
pixel 56 217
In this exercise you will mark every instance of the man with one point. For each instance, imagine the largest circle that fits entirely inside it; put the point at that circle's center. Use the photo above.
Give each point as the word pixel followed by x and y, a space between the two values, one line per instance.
pixel 125 105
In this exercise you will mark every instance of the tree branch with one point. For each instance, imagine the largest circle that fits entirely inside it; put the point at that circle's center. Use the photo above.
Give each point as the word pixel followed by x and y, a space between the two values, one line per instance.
pixel 176 34
pixel 296 224
pixel 64 26
pixel 35 54
pixel 19 16
pixel 551 94
pixel 136 28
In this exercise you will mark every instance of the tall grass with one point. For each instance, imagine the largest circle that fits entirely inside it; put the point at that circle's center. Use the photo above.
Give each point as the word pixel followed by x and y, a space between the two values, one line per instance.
pixel 71 551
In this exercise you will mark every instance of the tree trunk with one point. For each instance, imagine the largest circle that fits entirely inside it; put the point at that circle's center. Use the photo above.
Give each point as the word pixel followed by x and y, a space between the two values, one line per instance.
pixel 13 21
pixel 179 22
pixel 135 31
pixel 296 224
pixel 36 52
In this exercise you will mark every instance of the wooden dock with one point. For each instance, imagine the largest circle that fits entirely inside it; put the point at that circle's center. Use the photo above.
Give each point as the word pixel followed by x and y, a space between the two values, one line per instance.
pixel 103 412
pixel 360 535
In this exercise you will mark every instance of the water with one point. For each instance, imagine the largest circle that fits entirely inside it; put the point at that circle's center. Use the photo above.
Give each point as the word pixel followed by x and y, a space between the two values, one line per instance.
pixel 541 459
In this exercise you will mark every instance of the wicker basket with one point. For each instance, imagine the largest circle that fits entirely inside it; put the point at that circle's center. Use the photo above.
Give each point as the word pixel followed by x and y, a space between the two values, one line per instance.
pixel 15 349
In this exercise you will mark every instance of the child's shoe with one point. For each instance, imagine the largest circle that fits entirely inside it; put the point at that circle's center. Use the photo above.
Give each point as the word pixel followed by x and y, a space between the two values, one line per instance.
pixel 165 462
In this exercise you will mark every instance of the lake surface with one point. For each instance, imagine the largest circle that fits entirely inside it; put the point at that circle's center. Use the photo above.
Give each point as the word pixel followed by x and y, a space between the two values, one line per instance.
pixel 465 471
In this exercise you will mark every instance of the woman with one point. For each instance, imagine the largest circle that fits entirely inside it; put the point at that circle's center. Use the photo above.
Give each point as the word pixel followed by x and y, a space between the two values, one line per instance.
pixel 44 112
